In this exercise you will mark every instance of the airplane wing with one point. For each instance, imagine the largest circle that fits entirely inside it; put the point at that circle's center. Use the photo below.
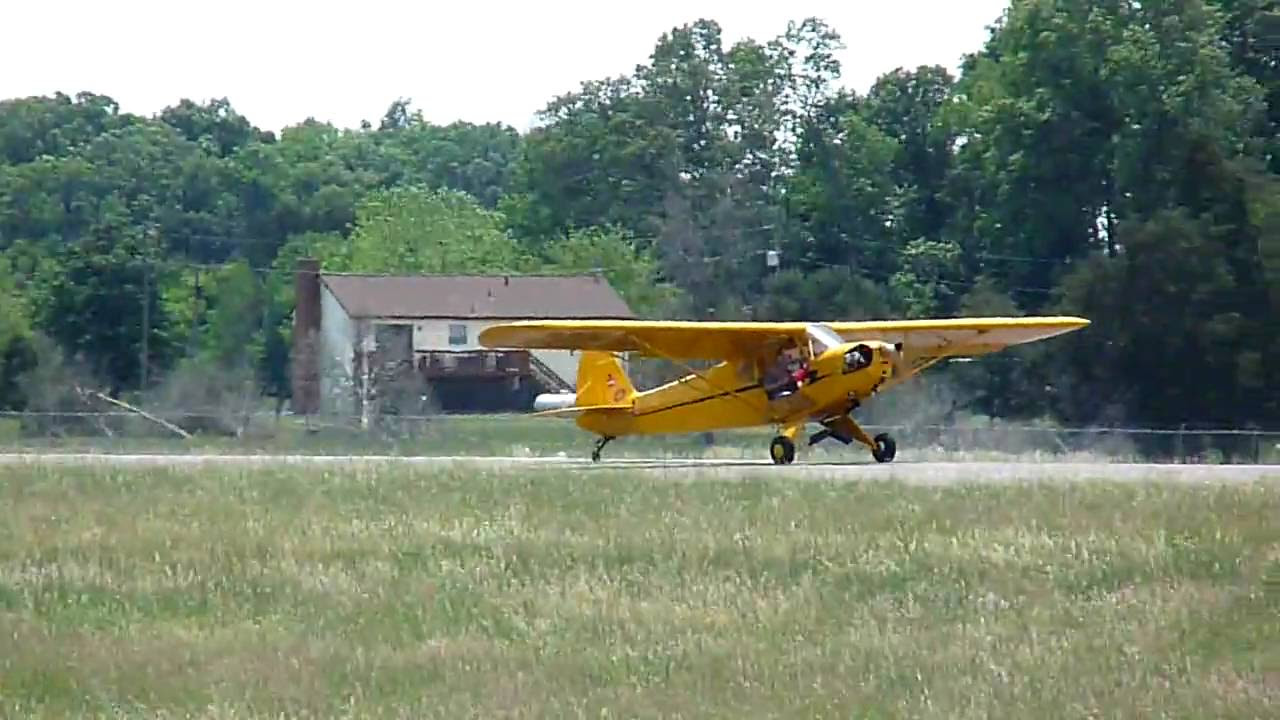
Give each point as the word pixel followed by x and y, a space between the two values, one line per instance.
pixel 951 337
pixel 687 340
pixel 678 339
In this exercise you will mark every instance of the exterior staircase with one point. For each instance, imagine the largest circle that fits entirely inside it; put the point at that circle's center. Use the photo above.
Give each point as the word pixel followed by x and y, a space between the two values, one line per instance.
pixel 547 377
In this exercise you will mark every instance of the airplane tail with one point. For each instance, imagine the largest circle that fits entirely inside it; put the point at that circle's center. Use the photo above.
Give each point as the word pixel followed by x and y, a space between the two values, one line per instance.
pixel 602 381
pixel 602 386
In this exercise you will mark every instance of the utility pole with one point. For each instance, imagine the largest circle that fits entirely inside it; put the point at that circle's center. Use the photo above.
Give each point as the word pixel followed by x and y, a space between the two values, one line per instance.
pixel 146 323
pixel 144 354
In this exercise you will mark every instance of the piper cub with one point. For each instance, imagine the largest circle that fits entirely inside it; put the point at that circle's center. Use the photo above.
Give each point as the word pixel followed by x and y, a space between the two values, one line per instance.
pixel 785 374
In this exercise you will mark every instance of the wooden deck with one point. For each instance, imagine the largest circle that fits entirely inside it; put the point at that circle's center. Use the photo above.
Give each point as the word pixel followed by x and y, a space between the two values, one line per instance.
pixel 434 365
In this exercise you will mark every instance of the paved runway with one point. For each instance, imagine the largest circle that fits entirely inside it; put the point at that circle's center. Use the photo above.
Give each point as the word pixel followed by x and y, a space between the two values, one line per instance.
pixel 928 472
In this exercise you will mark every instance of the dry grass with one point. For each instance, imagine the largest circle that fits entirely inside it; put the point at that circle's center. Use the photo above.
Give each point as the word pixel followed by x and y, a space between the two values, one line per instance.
pixel 524 435
pixel 407 593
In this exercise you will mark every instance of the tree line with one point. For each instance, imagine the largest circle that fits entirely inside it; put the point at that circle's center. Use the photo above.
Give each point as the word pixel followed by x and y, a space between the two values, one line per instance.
pixel 1111 159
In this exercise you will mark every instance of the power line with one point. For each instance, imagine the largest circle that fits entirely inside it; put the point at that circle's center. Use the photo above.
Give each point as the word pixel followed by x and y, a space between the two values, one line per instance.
pixel 885 277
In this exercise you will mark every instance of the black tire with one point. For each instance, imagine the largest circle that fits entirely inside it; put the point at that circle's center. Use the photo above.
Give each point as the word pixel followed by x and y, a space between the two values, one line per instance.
pixel 885 449
pixel 782 450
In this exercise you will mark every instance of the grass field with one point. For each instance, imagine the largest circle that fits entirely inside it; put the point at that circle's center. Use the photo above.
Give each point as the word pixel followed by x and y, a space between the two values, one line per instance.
pixel 405 592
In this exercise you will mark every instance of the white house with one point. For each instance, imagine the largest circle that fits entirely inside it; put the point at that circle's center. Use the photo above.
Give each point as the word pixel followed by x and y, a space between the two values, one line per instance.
pixel 429 325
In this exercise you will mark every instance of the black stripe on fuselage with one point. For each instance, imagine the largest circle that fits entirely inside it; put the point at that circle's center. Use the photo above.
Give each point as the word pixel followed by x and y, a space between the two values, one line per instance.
pixel 695 401
pixel 717 396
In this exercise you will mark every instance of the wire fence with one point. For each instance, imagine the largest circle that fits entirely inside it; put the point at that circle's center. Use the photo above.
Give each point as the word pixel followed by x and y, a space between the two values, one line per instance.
pixel 519 434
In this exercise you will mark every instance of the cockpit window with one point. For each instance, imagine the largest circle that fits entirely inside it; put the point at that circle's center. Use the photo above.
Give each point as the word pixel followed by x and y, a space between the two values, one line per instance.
pixel 857 358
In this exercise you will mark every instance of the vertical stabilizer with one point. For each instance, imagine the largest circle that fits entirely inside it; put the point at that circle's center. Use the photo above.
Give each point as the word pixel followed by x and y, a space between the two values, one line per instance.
pixel 602 381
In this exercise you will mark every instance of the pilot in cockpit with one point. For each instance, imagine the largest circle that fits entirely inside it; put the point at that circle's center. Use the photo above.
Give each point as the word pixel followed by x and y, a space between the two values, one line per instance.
pixel 787 373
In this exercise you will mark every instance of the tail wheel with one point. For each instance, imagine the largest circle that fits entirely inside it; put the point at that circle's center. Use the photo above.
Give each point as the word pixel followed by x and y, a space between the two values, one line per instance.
pixel 782 450
pixel 595 453
pixel 885 448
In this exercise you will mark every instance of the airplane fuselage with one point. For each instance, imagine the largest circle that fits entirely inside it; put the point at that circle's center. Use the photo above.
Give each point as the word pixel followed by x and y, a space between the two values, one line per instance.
pixel 733 395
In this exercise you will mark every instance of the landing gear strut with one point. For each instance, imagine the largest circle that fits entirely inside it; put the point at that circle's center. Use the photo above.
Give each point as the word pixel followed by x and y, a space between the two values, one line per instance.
pixel 843 428
pixel 595 453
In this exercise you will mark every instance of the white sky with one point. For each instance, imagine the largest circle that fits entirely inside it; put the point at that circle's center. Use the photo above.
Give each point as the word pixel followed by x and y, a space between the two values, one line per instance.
pixel 280 62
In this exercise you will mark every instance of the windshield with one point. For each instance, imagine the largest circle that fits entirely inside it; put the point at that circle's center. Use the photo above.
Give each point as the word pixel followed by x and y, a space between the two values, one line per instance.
pixel 823 338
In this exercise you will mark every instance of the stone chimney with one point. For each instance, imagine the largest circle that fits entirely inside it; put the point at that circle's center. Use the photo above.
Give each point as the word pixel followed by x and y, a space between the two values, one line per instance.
pixel 306 337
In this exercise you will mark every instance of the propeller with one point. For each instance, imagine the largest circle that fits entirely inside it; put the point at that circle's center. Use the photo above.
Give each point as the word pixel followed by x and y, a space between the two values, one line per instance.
pixel 897 358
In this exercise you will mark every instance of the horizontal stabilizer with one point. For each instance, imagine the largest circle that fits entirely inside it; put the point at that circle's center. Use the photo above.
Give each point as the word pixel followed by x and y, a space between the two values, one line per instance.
pixel 579 409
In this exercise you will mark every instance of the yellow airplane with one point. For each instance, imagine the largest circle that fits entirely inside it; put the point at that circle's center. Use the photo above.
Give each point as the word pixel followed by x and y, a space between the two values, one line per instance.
pixel 787 374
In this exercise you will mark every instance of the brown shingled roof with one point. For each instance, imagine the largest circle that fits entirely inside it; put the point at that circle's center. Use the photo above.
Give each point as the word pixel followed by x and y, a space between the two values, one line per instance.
pixel 477 296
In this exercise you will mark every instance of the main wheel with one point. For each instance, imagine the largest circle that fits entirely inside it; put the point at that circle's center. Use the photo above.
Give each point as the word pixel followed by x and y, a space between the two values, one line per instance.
pixel 782 450
pixel 885 448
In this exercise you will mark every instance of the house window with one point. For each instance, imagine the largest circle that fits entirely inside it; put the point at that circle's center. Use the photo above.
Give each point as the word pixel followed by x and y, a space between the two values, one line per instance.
pixel 457 334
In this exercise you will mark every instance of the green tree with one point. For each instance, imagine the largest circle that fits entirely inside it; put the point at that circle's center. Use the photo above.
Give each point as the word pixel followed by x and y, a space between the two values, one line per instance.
pixel 1201 365
pixel 684 83
pixel 17 351
pixel 600 158
pixel 233 322
pixel 1077 116
pixel 215 126
pixel 57 126
pixel 95 295
pixel 925 286
pixel 908 107
pixel 411 230
pixel 842 192
pixel 1251 32
pixel 827 294
pixel 632 272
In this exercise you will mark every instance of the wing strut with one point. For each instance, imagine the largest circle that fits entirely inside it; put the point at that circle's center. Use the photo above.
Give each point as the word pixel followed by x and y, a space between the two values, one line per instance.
pixel 703 378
